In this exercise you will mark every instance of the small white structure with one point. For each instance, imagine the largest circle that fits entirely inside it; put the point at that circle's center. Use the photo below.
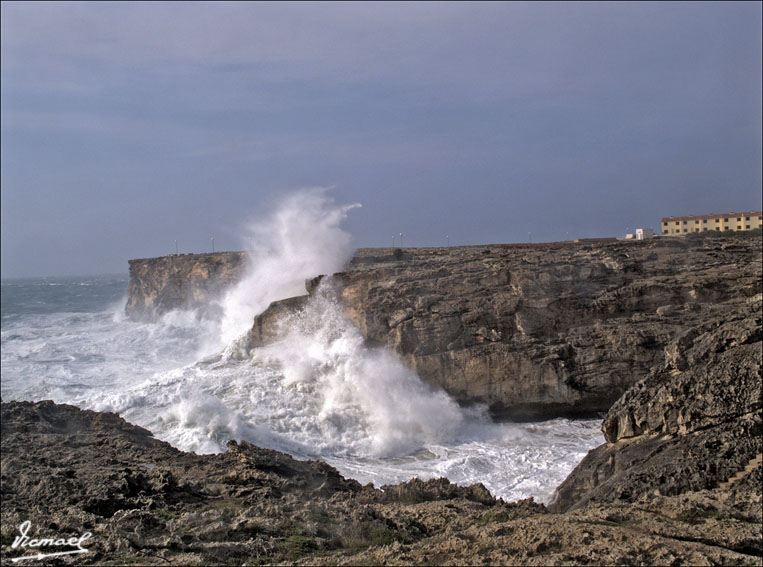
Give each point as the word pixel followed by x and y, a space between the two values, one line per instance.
pixel 629 236
pixel 644 233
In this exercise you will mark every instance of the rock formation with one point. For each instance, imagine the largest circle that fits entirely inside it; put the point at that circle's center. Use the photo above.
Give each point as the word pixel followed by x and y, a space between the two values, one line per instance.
pixel 533 331
pixel 70 472
pixel 678 481
pixel 691 425
pixel 186 281
pixel 537 331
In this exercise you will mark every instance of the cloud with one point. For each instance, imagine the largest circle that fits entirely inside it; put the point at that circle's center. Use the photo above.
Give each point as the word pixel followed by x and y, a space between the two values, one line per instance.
pixel 507 107
pixel 484 50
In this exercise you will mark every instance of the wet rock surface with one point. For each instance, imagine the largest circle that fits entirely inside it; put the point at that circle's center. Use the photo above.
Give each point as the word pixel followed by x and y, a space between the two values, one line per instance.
pixel 540 331
pixel 70 471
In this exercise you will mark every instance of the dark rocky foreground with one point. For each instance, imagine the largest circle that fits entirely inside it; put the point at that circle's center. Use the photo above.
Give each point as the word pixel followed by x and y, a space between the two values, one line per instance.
pixel 70 471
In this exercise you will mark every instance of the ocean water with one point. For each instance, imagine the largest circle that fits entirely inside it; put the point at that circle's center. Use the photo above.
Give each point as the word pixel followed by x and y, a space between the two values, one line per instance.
pixel 320 392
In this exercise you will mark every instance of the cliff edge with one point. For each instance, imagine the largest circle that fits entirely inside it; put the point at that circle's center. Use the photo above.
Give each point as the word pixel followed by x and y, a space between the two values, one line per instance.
pixel 539 331
pixel 185 281
pixel 531 331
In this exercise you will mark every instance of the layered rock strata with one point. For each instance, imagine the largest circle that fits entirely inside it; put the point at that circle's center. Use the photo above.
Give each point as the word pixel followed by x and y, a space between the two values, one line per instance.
pixel 187 281
pixel 544 330
pixel 70 472
pixel 694 424
pixel 532 331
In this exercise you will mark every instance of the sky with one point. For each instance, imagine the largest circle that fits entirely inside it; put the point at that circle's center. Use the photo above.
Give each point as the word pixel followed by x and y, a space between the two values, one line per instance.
pixel 129 126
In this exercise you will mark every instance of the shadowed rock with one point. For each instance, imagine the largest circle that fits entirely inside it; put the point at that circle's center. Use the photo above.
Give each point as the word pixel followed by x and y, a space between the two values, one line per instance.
pixel 541 331
pixel 691 425
pixel 70 471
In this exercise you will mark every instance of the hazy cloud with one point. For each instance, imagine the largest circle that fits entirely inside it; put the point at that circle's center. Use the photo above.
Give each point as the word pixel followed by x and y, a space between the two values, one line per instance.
pixel 438 115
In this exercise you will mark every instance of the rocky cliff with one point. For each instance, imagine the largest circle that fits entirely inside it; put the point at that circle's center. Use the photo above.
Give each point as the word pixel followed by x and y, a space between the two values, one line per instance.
pixel 693 424
pixel 536 331
pixel 186 281
pixel 678 481
pixel 532 331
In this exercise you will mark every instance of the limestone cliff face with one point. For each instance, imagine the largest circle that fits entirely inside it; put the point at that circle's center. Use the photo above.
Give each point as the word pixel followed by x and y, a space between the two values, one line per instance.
pixel 189 281
pixel 533 331
pixel 539 331
pixel 694 424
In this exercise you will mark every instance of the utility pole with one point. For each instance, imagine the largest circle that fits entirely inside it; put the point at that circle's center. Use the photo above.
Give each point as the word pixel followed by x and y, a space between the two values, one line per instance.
pixel 447 240
pixel 212 238
pixel 393 241
pixel 530 237
pixel 176 248
pixel 401 240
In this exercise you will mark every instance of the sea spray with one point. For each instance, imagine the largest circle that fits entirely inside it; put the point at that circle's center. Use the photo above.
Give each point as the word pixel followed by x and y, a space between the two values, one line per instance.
pixel 320 392
pixel 364 400
pixel 300 240
pixel 147 373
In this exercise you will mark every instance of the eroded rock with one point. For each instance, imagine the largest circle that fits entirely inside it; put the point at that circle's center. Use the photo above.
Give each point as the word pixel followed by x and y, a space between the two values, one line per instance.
pixel 691 425
pixel 186 281
pixel 71 471
pixel 549 330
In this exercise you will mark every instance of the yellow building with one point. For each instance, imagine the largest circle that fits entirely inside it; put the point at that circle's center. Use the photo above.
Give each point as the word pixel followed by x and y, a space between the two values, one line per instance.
pixel 719 223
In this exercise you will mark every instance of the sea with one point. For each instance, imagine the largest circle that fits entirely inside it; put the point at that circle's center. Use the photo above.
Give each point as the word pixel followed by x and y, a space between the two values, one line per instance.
pixel 319 392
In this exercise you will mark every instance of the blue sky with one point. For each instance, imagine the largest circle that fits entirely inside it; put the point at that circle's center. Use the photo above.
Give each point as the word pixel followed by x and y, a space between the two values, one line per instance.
pixel 127 126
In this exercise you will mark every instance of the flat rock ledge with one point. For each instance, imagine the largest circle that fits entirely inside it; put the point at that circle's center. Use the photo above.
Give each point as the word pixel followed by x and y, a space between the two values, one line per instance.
pixel 69 471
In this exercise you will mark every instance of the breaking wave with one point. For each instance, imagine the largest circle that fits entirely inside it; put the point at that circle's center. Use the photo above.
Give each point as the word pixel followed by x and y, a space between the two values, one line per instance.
pixel 318 391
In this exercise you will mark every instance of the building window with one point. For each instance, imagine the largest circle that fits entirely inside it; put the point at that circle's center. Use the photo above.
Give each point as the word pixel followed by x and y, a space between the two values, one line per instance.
pixel 739 219
pixel 686 230
pixel 704 221
pixel 746 218
pixel 739 227
pixel 717 228
pixel 677 223
pixel 686 222
pixel 747 226
pixel 717 220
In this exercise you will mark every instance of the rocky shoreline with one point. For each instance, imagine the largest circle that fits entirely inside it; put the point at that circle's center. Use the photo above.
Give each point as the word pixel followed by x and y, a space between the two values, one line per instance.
pixel 679 480
pixel 531 331
pixel 71 472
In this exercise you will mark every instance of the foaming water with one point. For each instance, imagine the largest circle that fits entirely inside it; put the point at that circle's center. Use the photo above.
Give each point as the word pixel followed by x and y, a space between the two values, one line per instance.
pixel 300 240
pixel 319 392
pixel 361 401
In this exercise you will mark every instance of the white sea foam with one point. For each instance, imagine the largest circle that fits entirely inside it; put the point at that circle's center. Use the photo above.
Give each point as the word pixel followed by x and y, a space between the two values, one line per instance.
pixel 362 401
pixel 318 392
pixel 300 240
